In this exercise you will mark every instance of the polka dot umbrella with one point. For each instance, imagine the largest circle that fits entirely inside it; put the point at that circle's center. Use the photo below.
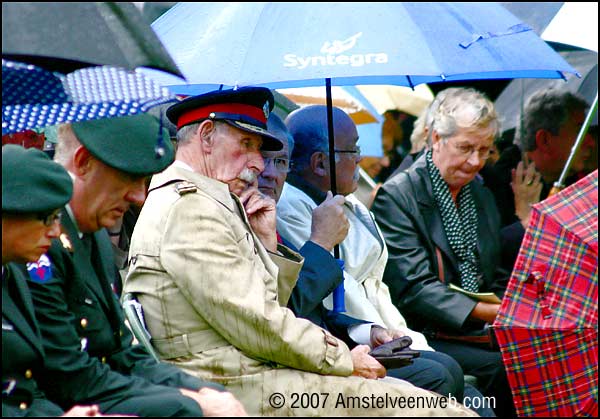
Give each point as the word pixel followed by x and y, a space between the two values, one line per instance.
pixel 33 97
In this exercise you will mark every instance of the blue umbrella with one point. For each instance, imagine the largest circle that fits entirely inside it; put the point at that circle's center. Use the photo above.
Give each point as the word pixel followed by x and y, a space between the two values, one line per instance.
pixel 303 44
pixel 33 97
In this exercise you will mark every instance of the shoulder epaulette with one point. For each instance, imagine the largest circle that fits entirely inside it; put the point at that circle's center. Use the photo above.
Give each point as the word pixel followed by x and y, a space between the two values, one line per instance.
pixel 185 187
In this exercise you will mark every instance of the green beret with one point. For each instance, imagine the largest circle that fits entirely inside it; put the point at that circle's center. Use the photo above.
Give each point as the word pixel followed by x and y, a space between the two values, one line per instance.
pixel 132 144
pixel 31 182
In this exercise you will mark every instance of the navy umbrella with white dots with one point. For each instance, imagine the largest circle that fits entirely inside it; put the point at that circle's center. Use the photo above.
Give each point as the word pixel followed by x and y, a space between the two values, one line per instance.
pixel 33 97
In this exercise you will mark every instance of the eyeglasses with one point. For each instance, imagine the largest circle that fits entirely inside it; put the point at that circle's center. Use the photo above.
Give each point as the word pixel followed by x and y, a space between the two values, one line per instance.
pixel 281 165
pixel 49 218
pixel 467 150
pixel 355 151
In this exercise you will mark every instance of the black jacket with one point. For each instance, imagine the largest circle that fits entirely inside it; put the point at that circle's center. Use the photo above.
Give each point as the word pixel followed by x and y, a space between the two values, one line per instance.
pixel 411 223
pixel 22 351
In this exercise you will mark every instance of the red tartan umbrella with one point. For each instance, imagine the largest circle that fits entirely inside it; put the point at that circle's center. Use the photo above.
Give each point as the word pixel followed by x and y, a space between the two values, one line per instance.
pixel 547 326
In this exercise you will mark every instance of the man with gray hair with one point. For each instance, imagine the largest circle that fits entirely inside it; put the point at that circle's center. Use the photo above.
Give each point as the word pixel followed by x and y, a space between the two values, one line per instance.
pixel 527 170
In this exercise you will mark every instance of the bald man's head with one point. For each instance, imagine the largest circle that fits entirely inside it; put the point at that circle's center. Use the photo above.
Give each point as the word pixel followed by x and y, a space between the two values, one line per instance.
pixel 310 156
pixel 308 126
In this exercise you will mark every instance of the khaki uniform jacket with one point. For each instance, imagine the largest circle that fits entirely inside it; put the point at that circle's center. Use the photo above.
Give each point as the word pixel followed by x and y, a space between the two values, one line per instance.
pixel 214 301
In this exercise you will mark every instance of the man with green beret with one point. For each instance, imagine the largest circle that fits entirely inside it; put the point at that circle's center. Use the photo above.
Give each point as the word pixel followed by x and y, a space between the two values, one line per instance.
pixel 89 351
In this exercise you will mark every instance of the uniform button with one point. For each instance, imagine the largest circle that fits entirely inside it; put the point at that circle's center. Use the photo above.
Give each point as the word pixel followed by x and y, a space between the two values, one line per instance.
pixel 103 360
pixel 83 323
pixel 28 374
pixel 23 406
pixel 120 332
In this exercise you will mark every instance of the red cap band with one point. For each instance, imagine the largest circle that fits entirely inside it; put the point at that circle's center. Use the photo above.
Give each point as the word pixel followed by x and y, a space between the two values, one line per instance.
pixel 231 108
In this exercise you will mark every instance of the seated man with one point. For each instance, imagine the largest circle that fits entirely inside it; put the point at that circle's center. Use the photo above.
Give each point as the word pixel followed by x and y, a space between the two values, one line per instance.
pixel 207 268
pixel 89 353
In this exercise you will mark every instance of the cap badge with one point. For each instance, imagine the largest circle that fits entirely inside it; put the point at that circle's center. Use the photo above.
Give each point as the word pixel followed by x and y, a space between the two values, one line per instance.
pixel 266 109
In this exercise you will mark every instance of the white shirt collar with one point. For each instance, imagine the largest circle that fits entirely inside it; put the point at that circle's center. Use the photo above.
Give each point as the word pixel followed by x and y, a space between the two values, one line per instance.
pixel 182 165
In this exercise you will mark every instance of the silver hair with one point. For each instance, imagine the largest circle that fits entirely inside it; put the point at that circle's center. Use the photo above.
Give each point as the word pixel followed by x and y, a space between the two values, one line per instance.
pixel 546 109
pixel 462 108
pixel 420 137
pixel 185 133
pixel 66 144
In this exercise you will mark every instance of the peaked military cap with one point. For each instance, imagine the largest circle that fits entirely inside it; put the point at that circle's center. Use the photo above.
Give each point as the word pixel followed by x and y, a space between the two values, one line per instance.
pixel 133 144
pixel 246 108
pixel 31 182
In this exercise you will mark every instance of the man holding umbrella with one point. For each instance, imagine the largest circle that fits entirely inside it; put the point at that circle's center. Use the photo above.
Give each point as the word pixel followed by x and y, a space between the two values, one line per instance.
pixel 89 355
pixel 214 282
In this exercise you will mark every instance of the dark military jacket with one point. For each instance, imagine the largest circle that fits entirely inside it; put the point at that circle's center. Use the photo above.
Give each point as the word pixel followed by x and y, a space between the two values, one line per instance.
pixel 88 346
pixel 22 351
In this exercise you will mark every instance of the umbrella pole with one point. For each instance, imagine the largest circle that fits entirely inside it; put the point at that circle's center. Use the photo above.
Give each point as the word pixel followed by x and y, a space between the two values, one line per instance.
pixel 338 292
pixel 332 174
pixel 560 183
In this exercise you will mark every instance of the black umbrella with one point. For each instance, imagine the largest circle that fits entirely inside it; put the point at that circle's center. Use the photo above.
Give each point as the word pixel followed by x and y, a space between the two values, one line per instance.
pixel 510 101
pixel 67 36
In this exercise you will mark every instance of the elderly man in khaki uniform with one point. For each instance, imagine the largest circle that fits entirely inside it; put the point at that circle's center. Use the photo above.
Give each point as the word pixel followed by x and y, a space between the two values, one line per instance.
pixel 214 283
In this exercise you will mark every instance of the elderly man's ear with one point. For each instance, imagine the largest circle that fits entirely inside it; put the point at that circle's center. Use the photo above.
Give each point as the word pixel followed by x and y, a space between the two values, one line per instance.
pixel 204 134
pixel 82 161
pixel 318 164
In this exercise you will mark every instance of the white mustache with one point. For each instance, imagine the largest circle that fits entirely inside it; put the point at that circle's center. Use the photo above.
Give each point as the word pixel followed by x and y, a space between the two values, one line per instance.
pixel 248 175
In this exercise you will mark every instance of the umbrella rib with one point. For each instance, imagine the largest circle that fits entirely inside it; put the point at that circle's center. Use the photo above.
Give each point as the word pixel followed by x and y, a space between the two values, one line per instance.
pixel 262 11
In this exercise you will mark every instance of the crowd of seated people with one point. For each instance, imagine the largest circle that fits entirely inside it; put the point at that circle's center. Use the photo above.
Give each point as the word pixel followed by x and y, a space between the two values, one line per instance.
pixel 231 259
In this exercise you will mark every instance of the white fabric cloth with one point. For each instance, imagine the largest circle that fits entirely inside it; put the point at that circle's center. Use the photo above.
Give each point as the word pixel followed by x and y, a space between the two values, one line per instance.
pixel 364 253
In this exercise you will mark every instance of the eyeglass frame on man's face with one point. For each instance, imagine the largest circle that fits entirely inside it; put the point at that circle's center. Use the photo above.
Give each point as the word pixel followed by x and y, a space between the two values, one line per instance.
pixel 49 218
pixel 281 164
pixel 355 151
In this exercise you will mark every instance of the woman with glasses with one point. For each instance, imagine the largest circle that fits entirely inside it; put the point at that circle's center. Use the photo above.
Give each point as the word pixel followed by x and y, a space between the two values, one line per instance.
pixel 34 188
pixel 442 228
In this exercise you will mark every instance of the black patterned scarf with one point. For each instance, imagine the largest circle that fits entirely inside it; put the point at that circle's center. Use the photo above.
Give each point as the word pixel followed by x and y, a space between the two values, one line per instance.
pixel 460 225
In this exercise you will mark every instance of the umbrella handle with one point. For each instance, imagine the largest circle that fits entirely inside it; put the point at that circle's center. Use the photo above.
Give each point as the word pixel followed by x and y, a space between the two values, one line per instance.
pixel 339 303
pixel 538 279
